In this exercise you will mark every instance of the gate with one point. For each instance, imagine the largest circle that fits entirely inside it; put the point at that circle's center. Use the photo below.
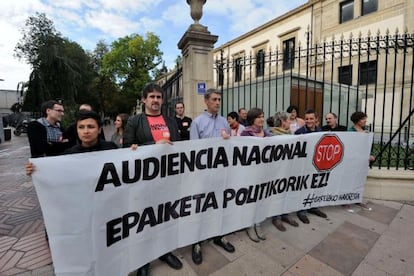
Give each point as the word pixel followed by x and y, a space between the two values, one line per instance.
pixel 373 74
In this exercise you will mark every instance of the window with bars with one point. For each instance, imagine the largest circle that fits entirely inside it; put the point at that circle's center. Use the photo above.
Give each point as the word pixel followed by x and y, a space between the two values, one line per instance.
pixel 289 54
pixel 368 72
pixel 220 72
pixel 238 69
pixel 260 63
pixel 345 74
pixel 346 11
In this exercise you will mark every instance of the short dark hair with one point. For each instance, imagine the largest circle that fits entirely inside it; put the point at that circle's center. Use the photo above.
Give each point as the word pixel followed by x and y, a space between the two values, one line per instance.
pixel 358 115
pixel 211 91
pixel 48 105
pixel 270 122
pixel 311 111
pixel 178 103
pixel 86 114
pixel 233 115
pixel 241 108
pixel 291 108
pixel 253 114
pixel 151 87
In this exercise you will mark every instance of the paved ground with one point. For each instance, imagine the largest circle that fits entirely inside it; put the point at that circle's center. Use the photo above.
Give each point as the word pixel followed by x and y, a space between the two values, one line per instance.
pixel 377 242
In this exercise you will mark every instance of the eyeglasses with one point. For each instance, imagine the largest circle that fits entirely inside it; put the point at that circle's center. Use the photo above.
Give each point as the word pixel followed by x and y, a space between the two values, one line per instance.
pixel 59 110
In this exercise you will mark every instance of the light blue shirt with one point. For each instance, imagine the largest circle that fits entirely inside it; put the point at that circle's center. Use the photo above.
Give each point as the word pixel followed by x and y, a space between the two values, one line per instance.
pixel 207 125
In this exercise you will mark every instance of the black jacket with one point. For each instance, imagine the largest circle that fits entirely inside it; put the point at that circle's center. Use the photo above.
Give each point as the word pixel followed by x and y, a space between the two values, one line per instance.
pixel 39 146
pixel 101 145
pixel 137 130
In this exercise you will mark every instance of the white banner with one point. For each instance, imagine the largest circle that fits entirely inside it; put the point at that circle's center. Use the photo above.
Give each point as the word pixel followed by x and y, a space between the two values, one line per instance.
pixel 109 212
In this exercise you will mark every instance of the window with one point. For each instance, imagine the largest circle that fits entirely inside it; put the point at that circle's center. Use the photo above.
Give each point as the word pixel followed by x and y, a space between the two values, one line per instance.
pixel 345 74
pixel 368 72
pixel 369 6
pixel 289 54
pixel 346 11
pixel 220 74
pixel 238 69
pixel 260 60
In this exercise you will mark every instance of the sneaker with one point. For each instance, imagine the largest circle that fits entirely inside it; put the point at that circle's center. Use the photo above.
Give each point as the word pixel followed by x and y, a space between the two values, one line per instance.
pixel 196 254
pixel 279 225
pixel 364 206
pixel 259 231
pixel 225 244
pixel 251 233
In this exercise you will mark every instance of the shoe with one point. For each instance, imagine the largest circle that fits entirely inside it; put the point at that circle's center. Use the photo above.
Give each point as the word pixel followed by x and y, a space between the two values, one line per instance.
pixel 279 225
pixel 364 206
pixel 251 233
pixel 317 212
pixel 143 270
pixel 259 232
pixel 222 242
pixel 196 254
pixel 290 221
pixel 303 218
pixel 171 260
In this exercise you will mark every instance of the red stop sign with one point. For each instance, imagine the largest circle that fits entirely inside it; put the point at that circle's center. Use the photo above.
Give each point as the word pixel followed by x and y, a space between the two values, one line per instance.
pixel 328 152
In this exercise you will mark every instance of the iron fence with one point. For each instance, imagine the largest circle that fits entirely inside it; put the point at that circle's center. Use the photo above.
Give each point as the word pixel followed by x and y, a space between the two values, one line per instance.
pixel 373 74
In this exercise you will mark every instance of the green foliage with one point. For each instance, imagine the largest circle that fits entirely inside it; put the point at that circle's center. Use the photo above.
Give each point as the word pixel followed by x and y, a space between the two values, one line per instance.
pixel 61 68
pixel 109 79
pixel 131 63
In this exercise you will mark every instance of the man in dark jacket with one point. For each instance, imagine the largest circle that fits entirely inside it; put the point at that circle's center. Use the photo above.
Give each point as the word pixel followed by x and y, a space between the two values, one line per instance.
pixel 45 134
pixel 332 123
pixel 310 126
pixel 149 128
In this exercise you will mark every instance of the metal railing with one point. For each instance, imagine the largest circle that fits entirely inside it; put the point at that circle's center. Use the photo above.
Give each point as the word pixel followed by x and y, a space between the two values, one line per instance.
pixel 373 74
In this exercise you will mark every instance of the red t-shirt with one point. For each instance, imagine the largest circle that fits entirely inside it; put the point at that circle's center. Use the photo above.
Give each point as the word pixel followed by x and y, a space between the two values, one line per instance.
pixel 158 127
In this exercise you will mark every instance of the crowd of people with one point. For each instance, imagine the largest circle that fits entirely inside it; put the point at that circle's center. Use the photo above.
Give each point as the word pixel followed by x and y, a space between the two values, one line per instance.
pixel 48 138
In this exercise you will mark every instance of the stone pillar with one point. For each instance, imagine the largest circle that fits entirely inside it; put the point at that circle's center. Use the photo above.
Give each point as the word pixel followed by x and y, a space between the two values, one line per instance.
pixel 196 46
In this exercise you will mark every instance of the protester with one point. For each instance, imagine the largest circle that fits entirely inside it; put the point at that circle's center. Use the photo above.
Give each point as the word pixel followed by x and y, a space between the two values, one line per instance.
pixel 208 125
pixel 310 126
pixel 152 127
pixel 332 123
pixel 359 119
pixel 281 127
pixel 88 125
pixel 120 122
pixel 183 122
pixel 243 116
pixel 255 121
pixel 270 123
pixel 294 120
pixel 235 127
pixel 46 134
pixel 71 132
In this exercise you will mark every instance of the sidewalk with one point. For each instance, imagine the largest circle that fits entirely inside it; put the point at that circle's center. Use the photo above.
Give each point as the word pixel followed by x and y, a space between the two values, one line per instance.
pixel 377 242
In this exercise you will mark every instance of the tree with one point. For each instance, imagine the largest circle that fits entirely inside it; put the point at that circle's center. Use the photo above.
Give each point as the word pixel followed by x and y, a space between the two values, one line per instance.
pixel 60 68
pixel 131 63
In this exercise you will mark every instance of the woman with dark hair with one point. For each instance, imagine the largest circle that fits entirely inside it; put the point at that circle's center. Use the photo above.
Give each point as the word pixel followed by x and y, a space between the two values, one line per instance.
pixel 255 122
pixel 295 121
pixel 120 123
pixel 236 128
